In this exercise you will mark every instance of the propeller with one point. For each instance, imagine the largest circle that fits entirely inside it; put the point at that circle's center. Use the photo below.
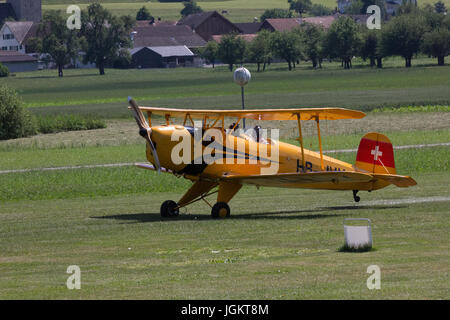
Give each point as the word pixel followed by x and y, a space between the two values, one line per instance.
pixel 144 130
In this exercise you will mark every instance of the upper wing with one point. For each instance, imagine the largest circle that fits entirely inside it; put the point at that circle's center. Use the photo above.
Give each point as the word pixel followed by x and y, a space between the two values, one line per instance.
pixel 302 179
pixel 262 114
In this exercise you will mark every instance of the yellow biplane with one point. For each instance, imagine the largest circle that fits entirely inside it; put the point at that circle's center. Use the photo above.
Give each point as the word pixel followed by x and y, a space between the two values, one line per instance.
pixel 239 158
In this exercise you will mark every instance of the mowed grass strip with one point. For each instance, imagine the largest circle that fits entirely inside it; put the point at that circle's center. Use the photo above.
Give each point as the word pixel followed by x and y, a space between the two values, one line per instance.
pixel 200 88
pixel 32 156
pixel 92 182
pixel 271 248
pixel 237 10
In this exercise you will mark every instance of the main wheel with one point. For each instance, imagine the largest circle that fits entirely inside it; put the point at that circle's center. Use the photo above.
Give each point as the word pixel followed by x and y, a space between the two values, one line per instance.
pixel 220 210
pixel 169 209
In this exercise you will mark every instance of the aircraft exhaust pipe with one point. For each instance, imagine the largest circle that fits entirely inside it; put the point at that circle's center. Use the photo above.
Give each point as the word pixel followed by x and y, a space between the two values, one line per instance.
pixel 144 130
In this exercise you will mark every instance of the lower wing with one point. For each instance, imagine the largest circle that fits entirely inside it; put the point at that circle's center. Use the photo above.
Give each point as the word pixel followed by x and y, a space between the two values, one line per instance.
pixel 340 180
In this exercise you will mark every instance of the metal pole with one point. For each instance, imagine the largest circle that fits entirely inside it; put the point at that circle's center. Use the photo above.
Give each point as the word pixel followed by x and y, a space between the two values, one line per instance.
pixel 243 104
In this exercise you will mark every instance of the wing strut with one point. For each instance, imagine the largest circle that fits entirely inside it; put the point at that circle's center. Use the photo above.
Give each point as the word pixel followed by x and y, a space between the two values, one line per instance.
pixel 320 144
pixel 300 138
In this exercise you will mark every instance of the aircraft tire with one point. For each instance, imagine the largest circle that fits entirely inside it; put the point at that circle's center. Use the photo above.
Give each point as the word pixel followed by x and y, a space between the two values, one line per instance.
pixel 220 210
pixel 169 209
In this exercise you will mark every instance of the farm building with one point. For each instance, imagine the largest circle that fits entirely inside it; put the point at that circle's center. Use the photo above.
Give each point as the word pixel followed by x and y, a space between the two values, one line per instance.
pixel 159 34
pixel 14 35
pixel 162 57
pixel 18 62
pixel 21 10
pixel 6 12
pixel 286 24
pixel 207 24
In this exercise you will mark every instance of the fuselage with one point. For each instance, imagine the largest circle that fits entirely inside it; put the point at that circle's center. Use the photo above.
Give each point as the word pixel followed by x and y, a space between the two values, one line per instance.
pixel 234 154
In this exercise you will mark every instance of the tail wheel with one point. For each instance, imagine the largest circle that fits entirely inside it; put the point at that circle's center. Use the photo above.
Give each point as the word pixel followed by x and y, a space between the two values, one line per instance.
pixel 220 210
pixel 169 209
pixel 355 197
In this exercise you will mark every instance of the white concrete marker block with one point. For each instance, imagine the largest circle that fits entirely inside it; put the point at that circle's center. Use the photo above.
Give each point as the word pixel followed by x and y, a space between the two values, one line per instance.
pixel 358 236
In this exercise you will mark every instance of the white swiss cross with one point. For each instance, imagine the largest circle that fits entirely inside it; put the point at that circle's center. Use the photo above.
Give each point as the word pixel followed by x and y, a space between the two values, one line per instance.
pixel 376 153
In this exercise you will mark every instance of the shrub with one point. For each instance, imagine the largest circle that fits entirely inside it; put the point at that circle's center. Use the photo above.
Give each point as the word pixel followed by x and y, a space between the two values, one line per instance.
pixel 15 122
pixel 52 124
pixel 4 72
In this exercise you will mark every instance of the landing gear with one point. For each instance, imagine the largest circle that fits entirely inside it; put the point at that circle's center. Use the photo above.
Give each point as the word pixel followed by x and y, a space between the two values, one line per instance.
pixel 169 208
pixel 220 210
pixel 355 197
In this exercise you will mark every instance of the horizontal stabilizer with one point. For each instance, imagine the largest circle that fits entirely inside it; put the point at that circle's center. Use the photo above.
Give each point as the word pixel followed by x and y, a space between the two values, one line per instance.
pixel 151 167
pixel 399 181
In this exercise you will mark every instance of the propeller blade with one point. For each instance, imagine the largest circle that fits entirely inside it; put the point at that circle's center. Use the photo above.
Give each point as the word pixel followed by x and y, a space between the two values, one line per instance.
pixel 138 116
pixel 152 146
pixel 144 130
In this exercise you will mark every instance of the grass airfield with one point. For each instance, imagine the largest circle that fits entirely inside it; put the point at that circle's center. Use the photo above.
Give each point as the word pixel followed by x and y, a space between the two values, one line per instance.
pixel 278 243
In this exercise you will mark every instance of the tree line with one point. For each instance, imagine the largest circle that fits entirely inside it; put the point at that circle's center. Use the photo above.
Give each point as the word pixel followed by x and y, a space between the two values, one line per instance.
pixel 414 30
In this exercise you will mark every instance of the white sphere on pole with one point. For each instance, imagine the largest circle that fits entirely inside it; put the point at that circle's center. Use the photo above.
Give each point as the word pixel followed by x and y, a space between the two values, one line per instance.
pixel 242 76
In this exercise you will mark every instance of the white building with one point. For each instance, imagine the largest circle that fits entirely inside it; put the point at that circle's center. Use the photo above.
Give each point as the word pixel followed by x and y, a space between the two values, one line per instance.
pixel 15 34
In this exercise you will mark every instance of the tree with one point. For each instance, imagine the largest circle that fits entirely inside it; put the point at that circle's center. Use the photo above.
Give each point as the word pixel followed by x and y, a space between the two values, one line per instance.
pixel 56 40
pixel 439 7
pixel 320 10
pixel 4 72
pixel 286 45
pixel 105 34
pixel 407 7
pixel 144 14
pixel 379 3
pixel 232 50
pixel 403 36
pixel 356 7
pixel 15 121
pixel 299 6
pixel 190 7
pixel 259 49
pixel 276 13
pixel 342 40
pixel 313 43
pixel 437 44
pixel 370 47
pixel 210 52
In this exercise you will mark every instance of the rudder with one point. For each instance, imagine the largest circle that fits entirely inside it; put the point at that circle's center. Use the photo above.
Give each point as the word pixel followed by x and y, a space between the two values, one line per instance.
pixel 375 154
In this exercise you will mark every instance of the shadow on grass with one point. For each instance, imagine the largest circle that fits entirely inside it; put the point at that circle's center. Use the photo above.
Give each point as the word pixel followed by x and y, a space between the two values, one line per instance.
pixel 309 214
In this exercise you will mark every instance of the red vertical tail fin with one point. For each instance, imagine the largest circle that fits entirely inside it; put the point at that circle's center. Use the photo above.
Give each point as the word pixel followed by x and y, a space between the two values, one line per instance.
pixel 376 154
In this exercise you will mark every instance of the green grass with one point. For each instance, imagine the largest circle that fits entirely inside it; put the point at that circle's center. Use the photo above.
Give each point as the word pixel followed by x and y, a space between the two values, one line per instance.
pixel 283 249
pixel 32 156
pixel 238 10
pixel 278 243
pixel 65 184
pixel 361 88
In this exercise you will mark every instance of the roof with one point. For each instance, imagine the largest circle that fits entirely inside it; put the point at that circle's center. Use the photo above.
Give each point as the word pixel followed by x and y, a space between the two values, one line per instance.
pixel 249 27
pixel 196 19
pixel 324 21
pixel 146 23
pixel 22 30
pixel 15 56
pixel 166 51
pixel 247 37
pixel 167 35
pixel 286 24
pixel 6 11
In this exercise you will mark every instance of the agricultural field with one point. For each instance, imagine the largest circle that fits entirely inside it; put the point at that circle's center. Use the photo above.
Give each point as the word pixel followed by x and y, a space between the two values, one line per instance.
pixel 106 220
pixel 237 10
